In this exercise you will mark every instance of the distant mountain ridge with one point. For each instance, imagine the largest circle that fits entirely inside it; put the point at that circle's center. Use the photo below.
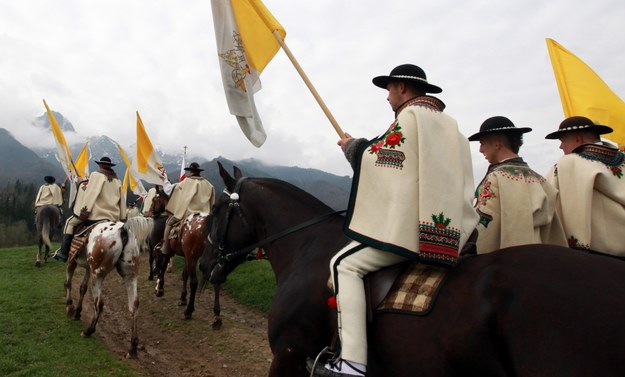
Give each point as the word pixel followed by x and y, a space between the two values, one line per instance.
pixel 20 162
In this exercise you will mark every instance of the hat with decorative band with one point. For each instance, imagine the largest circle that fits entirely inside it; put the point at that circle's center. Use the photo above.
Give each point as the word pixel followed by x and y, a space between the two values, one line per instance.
pixel 577 123
pixel 498 124
pixel 408 73
pixel 105 161
pixel 194 167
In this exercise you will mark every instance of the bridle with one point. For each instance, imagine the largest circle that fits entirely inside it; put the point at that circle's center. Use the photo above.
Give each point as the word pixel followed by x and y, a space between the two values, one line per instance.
pixel 234 205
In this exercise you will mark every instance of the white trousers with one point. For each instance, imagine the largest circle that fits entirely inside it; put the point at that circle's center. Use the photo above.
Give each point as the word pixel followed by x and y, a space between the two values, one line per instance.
pixel 347 269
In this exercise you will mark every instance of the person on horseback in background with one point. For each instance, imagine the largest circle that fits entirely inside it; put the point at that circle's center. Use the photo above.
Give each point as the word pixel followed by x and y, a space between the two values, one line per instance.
pixel 411 199
pixel 98 198
pixel 590 179
pixel 49 194
pixel 193 195
pixel 517 206
pixel 147 202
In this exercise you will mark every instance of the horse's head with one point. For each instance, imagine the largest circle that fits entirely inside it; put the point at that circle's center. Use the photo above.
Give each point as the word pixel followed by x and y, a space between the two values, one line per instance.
pixel 159 202
pixel 231 232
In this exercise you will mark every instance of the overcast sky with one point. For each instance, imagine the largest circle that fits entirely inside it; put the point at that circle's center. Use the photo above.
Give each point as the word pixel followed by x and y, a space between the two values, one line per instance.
pixel 97 62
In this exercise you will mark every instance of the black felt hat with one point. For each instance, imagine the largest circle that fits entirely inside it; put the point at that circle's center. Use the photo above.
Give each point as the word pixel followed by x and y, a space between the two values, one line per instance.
pixel 194 167
pixel 409 73
pixel 49 179
pixel 498 124
pixel 577 123
pixel 105 161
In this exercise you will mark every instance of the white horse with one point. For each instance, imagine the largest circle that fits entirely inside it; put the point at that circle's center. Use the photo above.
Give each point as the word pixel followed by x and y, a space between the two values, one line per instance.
pixel 110 245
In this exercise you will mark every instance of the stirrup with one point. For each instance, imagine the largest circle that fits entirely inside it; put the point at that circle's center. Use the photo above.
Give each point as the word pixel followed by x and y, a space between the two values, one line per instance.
pixel 325 351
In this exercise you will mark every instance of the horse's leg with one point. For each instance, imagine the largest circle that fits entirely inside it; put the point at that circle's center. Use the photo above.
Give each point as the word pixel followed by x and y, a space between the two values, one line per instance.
pixel 192 273
pixel 216 308
pixel 38 260
pixel 98 304
pixel 69 273
pixel 161 261
pixel 151 265
pixel 185 279
pixel 83 291
pixel 130 273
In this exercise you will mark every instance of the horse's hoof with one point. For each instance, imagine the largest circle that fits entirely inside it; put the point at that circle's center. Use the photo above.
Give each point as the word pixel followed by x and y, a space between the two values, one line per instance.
pixel 188 316
pixel 216 325
pixel 84 334
pixel 159 293
pixel 182 303
pixel 150 278
pixel 37 264
pixel 70 311
pixel 131 355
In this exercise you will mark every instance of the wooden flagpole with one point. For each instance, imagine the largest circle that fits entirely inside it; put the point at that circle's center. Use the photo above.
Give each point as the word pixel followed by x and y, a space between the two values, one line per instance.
pixel 310 86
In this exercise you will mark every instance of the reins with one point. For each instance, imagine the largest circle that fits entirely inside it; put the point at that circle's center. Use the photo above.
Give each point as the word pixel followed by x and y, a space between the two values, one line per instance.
pixel 234 204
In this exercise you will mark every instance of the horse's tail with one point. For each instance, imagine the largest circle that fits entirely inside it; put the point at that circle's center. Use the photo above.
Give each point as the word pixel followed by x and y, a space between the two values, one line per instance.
pixel 45 231
pixel 140 227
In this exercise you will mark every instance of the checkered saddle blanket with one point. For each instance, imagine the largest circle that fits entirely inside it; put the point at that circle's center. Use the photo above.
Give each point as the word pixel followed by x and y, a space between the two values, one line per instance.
pixel 415 289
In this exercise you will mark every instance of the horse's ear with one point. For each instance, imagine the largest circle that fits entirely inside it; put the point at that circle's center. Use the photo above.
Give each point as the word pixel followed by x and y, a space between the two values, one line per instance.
pixel 228 180
pixel 237 172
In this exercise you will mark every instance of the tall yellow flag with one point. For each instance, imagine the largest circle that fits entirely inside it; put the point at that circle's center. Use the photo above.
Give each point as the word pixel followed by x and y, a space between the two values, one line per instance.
pixel 584 93
pixel 82 161
pixel 63 154
pixel 146 164
pixel 245 45
pixel 129 181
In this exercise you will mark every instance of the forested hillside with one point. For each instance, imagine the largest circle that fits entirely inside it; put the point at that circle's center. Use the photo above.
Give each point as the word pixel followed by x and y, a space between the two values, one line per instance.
pixel 17 226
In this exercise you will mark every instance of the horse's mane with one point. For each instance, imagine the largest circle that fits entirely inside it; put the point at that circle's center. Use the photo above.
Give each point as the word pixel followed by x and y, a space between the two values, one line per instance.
pixel 289 190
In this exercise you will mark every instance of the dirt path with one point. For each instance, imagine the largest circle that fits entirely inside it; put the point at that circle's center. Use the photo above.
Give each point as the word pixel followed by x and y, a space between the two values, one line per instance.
pixel 169 345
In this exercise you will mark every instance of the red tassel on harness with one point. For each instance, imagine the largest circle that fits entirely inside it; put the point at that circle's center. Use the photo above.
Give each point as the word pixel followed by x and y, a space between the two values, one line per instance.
pixel 332 302
pixel 259 254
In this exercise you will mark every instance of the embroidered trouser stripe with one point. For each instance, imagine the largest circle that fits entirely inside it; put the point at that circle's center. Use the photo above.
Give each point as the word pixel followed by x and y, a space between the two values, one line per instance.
pixel 348 267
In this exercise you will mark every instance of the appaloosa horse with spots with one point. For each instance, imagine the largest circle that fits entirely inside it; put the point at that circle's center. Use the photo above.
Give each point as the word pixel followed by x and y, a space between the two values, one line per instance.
pixel 111 245
pixel 532 310
pixel 47 219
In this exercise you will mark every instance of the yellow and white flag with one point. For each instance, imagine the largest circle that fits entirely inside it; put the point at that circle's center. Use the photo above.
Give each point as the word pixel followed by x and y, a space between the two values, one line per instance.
pixel 245 45
pixel 129 181
pixel 146 164
pixel 584 93
pixel 63 154
pixel 82 162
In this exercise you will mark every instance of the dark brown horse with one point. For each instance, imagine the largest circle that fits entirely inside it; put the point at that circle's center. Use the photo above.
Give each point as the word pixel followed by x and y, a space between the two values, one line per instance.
pixel 531 310
pixel 190 245
pixel 47 219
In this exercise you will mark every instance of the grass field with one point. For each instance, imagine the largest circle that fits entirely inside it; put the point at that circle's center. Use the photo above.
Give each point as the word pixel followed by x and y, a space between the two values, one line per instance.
pixel 37 339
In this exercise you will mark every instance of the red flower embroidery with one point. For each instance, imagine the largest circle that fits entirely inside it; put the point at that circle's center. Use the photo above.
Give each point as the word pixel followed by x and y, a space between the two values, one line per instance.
pixel 394 138
pixel 376 147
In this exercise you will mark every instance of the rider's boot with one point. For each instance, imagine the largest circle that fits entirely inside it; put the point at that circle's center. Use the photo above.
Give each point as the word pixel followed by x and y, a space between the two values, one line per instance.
pixel 336 368
pixel 62 253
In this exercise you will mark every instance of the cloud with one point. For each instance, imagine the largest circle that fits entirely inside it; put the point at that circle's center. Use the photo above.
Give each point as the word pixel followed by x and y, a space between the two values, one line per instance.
pixel 98 62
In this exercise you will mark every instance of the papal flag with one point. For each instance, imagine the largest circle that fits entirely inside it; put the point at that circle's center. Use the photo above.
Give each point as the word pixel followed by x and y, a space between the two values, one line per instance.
pixel 245 45
pixel 584 93
pixel 63 154
pixel 146 164
pixel 82 161
pixel 129 181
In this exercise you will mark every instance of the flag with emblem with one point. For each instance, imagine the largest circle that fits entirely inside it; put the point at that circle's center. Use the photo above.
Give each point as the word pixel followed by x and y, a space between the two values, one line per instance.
pixel 244 30
pixel 146 163
pixel 584 93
